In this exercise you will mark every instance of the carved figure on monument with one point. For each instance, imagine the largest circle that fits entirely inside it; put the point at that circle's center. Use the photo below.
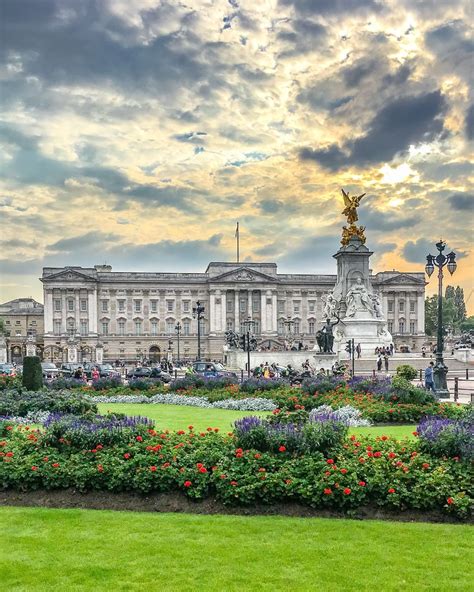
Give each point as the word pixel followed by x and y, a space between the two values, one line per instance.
pixel 351 205
pixel 328 335
pixel 377 305
pixel 232 339
pixel 353 230
pixel 320 340
pixel 330 305
pixel 358 299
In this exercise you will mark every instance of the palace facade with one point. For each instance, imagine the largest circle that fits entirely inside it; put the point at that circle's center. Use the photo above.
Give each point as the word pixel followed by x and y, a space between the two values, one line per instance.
pixel 133 315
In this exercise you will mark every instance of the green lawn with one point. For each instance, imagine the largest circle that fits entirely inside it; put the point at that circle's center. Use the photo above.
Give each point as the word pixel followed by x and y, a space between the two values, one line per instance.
pixel 78 550
pixel 176 417
pixel 179 417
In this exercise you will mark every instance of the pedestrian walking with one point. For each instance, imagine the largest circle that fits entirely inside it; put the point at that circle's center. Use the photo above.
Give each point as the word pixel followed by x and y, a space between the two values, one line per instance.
pixel 379 363
pixel 429 377
pixel 385 359
pixel 358 350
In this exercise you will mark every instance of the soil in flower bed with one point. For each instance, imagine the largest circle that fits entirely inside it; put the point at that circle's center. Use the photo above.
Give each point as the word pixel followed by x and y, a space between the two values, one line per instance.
pixel 176 503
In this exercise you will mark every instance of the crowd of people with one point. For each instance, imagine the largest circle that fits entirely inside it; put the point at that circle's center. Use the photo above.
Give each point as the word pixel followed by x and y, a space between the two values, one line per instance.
pixel 267 370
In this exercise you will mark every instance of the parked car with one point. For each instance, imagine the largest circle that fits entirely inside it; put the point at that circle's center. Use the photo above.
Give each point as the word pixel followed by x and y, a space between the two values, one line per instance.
pixel 105 370
pixel 67 370
pixel 7 370
pixel 212 370
pixel 145 372
pixel 50 370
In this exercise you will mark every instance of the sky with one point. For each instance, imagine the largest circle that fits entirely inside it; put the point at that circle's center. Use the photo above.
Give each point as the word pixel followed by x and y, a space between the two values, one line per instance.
pixel 137 132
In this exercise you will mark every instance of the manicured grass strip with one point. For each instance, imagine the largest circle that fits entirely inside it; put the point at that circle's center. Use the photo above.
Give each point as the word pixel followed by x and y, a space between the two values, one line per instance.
pixel 179 417
pixel 57 550
pixel 394 431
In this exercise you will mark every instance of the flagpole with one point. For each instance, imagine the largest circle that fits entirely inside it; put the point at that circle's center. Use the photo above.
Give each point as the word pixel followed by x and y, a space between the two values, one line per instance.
pixel 237 235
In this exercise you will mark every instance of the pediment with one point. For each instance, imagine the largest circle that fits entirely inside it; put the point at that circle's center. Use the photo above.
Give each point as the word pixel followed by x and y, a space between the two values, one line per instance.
pixel 243 275
pixel 69 275
pixel 403 278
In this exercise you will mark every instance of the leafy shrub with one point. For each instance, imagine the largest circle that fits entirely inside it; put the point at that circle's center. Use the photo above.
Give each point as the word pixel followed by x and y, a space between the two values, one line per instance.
pixel 447 437
pixel 406 371
pixel 253 385
pixel 9 382
pixel 97 431
pixel 144 384
pixel 102 384
pixel 321 384
pixel 20 402
pixel 32 378
pixel 65 383
pixel 323 435
pixel 403 391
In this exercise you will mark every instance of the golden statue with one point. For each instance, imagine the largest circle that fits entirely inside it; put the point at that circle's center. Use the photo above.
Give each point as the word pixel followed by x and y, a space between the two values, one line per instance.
pixel 351 203
pixel 350 211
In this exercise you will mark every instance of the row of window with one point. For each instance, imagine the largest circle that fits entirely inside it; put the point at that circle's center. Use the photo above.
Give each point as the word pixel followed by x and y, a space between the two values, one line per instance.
pixel 121 304
pixel 401 326
pixel 122 327
pixel 401 306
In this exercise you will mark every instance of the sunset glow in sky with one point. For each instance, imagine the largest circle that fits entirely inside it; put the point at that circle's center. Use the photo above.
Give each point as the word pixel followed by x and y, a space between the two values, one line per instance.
pixel 137 132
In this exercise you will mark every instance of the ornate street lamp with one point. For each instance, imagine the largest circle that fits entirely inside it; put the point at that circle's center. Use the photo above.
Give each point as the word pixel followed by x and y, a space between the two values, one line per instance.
pixel 249 324
pixel 440 261
pixel 177 328
pixel 198 314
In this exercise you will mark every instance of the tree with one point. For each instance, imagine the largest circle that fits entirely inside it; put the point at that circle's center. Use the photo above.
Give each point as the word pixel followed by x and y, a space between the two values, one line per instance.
pixel 455 297
pixel 431 314
pixel 32 378
pixel 467 324
pixel 2 327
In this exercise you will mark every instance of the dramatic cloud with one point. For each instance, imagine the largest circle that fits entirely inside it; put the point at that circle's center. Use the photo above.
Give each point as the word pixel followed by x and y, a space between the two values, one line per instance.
pixel 140 131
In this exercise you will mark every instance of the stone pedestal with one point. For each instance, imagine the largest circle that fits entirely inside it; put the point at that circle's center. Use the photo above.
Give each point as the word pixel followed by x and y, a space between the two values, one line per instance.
pixel 99 353
pixel 360 311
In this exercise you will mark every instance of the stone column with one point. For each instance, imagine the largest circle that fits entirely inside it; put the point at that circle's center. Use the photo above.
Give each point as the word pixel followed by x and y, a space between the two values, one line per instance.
pixel 263 311
pixel 224 310
pixel 48 311
pixel 420 314
pixel 212 312
pixel 274 313
pixel 63 311
pixel 237 311
pixel 78 308
pixel 249 303
pixel 92 306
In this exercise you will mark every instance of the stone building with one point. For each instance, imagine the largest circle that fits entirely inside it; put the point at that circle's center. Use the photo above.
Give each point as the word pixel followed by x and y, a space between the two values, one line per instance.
pixel 23 323
pixel 132 315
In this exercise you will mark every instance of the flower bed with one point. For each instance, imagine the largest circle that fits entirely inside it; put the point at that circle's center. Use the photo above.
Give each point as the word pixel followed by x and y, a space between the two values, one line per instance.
pixel 343 473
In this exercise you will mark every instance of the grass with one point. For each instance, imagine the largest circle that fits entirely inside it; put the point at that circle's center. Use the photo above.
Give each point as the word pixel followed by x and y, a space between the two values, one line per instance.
pixel 80 550
pixel 176 417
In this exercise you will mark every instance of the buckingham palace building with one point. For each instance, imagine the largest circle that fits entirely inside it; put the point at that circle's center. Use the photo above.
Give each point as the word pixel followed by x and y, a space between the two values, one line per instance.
pixel 109 315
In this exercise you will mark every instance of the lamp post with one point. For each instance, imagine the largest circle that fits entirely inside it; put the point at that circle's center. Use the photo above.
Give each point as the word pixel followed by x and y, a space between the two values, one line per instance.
pixel 248 324
pixel 440 261
pixel 198 314
pixel 177 328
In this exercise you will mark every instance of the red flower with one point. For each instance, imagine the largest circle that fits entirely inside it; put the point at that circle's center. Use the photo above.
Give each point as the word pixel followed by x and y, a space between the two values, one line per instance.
pixel 153 469
pixel 282 449
pixel 288 481
pixel 362 460
pixel 384 438
pixel 202 470
pixel 415 433
pixel 362 483
pixel 450 500
pixel 165 465
pixel 9 428
pixel 45 459
pixel 180 432
pixel 209 429
pixel 139 439
pixel 99 446
pixel 261 470
pixel 100 468
pixel 425 465
pixel 391 490
pixel 347 491
pixel 234 483
pixel 94 450
pixel 327 491
pixel 33 468
pixel 391 455
pixel 216 430
pixel 223 476
pixel 330 461
pixel 456 458
pixel 377 454
pixel 190 427
pixel 126 455
pixel 55 465
pixel 257 456
pixel 187 483
pixel 343 471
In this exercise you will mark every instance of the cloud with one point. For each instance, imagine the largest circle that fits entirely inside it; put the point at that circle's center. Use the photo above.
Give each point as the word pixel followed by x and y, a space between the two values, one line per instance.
pixel 462 202
pixel 416 251
pixel 399 124
pixel 470 122
pixel 330 7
